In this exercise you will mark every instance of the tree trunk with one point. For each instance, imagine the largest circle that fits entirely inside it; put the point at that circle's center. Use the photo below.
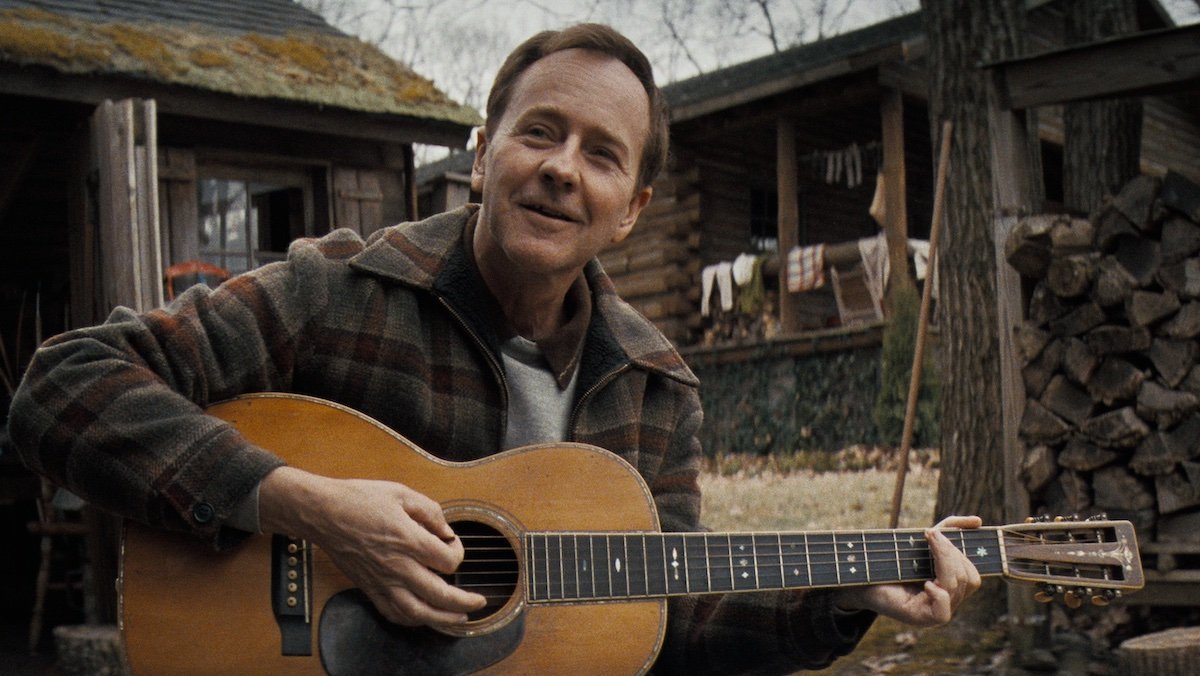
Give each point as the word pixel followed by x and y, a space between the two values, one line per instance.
pixel 1103 139
pixel 962 36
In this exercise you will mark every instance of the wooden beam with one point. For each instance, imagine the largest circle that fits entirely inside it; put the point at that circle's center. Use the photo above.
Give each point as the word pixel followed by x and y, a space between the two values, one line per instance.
pixel 1013 194
pixel 825 99
pixel 895 221
pixel 1163 61
pixel 174 100
pixel 410 183
pixel 909 79
pixel 802 344
pixel 787 183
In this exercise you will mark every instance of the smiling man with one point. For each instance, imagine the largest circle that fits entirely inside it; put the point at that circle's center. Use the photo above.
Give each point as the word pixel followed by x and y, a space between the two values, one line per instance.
pixel 472 332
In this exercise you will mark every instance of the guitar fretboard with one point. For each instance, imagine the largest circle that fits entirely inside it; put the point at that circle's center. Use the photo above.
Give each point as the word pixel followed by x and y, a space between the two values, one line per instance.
pixel 609 566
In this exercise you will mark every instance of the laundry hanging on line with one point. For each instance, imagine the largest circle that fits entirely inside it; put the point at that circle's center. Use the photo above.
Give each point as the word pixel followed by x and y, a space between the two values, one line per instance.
pixel 805 268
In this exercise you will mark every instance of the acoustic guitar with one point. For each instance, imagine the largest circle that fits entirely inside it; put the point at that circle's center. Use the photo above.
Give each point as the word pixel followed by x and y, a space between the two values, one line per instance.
pixel 562 539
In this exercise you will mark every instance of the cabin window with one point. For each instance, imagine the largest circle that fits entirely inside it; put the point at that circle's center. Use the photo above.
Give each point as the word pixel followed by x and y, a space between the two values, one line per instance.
pixel 245 223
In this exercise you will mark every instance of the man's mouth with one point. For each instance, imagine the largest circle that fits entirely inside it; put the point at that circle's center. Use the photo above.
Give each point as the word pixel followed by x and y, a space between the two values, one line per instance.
pixel 549 212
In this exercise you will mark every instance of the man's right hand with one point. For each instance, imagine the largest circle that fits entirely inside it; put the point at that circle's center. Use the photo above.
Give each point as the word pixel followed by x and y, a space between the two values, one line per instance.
pixel 390 540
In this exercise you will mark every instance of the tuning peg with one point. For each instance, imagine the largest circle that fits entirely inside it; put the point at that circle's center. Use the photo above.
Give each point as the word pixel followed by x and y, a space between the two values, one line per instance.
pixel 1044 595
pixel 1072 600
pixel 1101 599
pixel 1059 519
pixel 1098 517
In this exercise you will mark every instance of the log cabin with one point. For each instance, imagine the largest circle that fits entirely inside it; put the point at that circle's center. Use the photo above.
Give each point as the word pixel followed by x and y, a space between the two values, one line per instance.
pixel 790 152
pixel 148 145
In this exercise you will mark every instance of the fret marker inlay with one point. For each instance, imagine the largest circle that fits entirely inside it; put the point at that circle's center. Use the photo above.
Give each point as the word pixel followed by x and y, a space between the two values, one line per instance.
pixel 981 552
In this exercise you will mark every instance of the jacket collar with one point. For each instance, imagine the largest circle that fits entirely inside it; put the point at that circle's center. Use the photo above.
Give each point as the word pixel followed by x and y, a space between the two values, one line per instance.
pixel 429 255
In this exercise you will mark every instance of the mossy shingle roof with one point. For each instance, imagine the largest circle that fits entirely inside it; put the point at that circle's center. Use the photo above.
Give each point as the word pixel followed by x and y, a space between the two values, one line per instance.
pixel 272 49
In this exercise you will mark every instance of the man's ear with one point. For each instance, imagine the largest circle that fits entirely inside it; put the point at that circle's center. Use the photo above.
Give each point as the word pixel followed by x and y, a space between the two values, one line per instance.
pixel 638 202
pixel 478 164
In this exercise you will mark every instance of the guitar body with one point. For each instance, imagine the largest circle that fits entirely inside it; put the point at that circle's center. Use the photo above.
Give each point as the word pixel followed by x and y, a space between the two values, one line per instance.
pixel 188 609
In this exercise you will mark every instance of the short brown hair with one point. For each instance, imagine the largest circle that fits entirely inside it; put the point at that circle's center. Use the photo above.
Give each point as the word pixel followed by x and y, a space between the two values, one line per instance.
pixel 598 38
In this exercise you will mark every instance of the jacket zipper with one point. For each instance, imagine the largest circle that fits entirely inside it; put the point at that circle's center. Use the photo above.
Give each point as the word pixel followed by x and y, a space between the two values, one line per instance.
pixel 491 359
pixel 600 384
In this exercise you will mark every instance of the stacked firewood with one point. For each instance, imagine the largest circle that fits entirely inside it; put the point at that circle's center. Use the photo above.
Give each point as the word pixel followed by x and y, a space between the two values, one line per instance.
pixel 1110 353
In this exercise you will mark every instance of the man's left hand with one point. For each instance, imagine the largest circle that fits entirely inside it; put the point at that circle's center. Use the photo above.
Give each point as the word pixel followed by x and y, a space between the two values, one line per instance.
pixel 934 602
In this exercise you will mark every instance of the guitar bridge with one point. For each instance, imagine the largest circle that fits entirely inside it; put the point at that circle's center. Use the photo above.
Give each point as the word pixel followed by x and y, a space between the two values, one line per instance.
pixel 291 597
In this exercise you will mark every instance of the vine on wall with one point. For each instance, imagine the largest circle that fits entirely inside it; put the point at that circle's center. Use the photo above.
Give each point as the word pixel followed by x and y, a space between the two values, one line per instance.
pixel 784 404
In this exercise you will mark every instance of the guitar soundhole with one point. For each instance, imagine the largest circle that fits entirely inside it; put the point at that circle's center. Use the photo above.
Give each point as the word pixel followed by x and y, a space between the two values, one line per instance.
pixel 489 566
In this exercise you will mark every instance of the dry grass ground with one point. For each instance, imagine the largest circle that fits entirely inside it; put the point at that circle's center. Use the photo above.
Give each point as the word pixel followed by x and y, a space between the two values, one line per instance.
pixel 777 495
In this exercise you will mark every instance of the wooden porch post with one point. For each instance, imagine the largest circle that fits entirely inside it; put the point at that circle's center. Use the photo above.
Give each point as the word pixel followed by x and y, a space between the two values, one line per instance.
pixel 895 225
pixel 1013 193
pixel 788 218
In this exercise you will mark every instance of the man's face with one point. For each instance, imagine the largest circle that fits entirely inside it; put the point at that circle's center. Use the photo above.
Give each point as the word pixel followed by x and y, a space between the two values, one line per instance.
pixel 559 175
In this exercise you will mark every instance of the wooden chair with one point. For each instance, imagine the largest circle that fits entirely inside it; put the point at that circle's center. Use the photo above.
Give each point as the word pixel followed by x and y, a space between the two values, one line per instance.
pixel 53 525
pixel 189 273
pixel 856 301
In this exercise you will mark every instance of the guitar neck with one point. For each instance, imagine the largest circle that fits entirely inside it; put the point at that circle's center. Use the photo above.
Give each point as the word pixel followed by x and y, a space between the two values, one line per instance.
pixel 613 566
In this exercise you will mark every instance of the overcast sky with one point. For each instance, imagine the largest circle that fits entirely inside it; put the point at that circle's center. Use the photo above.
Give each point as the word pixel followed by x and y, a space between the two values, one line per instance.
pixel 459 44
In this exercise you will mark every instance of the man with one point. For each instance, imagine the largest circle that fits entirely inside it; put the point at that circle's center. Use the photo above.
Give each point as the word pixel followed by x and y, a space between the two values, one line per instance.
pixel 471 332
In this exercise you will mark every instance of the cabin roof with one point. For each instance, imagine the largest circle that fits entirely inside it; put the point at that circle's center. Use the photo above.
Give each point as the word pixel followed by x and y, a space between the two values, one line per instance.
pixel 779 72
pixel 262 49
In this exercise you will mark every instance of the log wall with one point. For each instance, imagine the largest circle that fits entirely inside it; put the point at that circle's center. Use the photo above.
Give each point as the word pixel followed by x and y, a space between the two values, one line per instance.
pixel 655 267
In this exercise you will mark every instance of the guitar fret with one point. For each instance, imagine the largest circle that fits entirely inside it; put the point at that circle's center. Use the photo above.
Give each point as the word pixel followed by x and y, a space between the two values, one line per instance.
pixel 880 550
pixel 808 559
pixel 531 565
pixel 823 557
pixel 854 555
pixel 656 579
pixel 741 560
pixel 625 554
pixel 795 561
pixel 666 577
pixel 687 570
pixel 636 567
pixel 589 569
pixel 896 548
pixel 866 558
pixel 767 562
pixel 562 579
pixel 707 563
pixel 676 564
pixel 568 564
pixel 782 572
pixel 575 560
pixel 645 566
pixel 836 568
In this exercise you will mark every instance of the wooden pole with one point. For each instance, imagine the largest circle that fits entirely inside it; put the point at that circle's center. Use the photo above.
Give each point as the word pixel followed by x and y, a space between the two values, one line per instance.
pixel 787 182
pixel 914 384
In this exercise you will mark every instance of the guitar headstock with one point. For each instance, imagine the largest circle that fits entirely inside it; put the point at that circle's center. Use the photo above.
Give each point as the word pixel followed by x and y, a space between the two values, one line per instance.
pixel 1095 558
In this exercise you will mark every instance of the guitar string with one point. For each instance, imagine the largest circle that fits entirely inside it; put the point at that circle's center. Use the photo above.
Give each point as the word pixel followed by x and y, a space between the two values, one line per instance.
pixel 573 592
pixel 814 550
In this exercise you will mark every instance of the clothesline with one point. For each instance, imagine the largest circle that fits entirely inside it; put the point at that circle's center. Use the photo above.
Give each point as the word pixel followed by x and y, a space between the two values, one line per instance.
pixel 804 270
pixel 849 164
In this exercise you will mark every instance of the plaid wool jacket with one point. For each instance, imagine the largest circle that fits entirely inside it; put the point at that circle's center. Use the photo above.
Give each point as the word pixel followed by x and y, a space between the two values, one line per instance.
pixel 398 327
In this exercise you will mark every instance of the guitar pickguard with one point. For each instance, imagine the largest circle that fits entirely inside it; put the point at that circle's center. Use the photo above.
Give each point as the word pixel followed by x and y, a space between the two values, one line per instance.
pixel 356 640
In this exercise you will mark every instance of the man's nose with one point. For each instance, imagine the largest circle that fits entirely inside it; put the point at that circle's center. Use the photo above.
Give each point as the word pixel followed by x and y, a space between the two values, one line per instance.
pixel 561 165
